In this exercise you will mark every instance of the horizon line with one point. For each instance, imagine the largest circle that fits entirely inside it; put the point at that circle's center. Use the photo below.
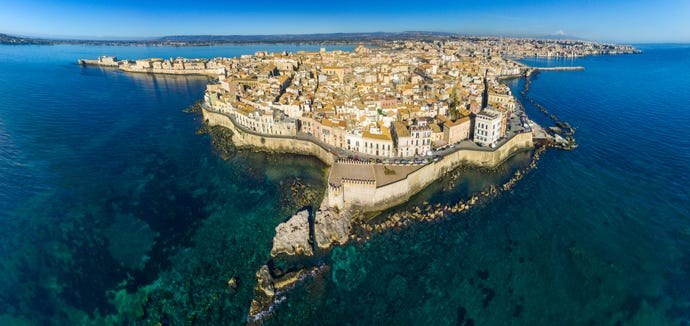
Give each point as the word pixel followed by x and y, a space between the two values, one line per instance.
pixel 554 36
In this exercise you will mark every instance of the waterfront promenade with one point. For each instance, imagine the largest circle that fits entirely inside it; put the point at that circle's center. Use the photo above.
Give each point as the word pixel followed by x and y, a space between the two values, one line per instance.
pixel 369 183
pixel 514 127
pixel 564 68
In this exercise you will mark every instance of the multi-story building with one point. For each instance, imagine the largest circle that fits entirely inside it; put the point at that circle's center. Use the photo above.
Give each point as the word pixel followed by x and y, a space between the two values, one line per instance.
pixel 456 131
pixel 421 140
pixel 488 127
pixel 505 101
pixel 404 140
pixel 265 121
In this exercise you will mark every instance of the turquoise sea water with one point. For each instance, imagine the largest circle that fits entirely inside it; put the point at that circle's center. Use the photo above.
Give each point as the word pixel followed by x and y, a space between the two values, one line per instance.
pixel 112 209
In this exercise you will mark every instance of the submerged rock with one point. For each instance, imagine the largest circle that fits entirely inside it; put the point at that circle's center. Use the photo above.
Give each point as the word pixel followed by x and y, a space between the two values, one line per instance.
pixel 331 227
pixel 129 241
pixel 296 193
pixel 292 237
pixel 221 138
pixel 232 285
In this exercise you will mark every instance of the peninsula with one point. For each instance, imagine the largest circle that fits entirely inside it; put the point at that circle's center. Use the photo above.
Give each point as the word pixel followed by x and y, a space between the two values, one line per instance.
pixel 388 121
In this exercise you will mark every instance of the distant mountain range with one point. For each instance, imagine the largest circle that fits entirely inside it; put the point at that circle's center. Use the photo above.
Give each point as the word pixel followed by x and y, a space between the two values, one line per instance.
pixel 322 37
pixel 200 40
pixel 561 37
pixel 183 40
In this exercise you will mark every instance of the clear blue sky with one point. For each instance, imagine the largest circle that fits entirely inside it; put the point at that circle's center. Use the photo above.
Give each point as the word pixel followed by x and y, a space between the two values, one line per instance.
pixel 613 20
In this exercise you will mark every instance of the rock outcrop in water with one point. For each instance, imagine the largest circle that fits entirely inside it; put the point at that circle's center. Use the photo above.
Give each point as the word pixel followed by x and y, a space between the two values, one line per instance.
pixel 194 108
pixel 264 292
pixel 330 228
pixel 293 236
pixel 298 247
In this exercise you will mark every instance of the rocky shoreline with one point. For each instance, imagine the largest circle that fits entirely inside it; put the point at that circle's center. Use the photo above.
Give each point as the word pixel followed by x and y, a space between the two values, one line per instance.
pixel 299 248
pixel 437 212
pixel 221 137
pixel 302 243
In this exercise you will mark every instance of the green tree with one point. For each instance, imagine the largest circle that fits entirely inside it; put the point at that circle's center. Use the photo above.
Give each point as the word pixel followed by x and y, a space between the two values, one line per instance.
pixel 453 104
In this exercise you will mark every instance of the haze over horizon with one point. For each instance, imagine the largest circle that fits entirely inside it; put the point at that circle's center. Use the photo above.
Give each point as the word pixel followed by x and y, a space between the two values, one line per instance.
pixel 633 21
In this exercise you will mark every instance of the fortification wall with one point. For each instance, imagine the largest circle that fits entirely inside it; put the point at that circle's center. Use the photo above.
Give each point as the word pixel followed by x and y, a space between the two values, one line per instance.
pixel 203 72
pixel 358 193
pixel 364 193
pixel 375 199
pixel 266 143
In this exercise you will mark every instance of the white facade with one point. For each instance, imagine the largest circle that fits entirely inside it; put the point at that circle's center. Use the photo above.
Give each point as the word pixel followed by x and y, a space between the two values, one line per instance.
pixel 487 127
pixel 370 146
pixel 265 123
pixel 420 138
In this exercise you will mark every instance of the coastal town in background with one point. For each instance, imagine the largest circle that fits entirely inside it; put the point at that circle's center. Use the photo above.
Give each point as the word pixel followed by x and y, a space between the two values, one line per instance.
pixel 378 115
pixel 398 102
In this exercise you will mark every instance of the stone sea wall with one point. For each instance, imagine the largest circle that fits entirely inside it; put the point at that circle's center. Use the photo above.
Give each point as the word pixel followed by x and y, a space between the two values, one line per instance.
pixel 266 143
pixel 367 197
pixel 203 72
pixel 362 194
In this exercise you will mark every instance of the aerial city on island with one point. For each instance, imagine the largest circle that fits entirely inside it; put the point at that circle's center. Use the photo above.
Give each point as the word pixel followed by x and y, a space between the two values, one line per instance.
pixel 378 115
pixel 388 119
pixel 399 100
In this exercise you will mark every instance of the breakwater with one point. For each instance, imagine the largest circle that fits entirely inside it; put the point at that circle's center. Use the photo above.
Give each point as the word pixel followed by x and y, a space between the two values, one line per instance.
pixel 563 132
pixel 564 68
pixel 533 70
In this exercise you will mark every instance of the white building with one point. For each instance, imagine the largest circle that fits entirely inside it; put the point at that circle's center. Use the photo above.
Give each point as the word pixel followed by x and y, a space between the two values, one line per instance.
pixel 420 140
pixel 487 127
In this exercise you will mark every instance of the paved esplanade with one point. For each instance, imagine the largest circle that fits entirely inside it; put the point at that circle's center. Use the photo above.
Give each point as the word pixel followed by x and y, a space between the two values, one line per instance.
pixel 383 174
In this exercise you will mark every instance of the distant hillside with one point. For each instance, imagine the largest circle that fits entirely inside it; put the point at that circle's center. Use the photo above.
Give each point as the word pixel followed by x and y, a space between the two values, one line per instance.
pixel 292 38
pixel 197 40
pixel 8 39
pixel 319 38
pixel 560 37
